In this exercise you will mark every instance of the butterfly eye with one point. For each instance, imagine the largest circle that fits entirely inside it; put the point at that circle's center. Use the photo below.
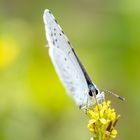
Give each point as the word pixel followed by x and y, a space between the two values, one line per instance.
pixel 96 91
pixel 90 93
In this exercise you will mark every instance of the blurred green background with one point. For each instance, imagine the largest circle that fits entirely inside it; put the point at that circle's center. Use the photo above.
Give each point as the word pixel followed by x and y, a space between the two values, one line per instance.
pixel 33 102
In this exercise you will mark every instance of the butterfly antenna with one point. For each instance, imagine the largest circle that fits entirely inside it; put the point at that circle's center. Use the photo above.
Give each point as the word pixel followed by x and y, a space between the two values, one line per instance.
pixel 96 100
pixel 116 95
pixel 93 93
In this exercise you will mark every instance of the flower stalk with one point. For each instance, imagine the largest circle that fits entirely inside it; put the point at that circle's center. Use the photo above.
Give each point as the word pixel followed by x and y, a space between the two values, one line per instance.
pixel 102 121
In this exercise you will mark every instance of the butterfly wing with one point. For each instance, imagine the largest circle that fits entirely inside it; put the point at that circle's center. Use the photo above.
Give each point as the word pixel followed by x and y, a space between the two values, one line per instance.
pixel 65 61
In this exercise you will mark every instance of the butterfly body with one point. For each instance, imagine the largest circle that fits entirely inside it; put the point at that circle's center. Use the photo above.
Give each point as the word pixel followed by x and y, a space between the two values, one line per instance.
pixel 67 64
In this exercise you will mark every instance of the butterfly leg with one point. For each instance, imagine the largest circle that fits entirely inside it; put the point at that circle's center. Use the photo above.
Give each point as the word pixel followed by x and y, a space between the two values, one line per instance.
pixel 84 107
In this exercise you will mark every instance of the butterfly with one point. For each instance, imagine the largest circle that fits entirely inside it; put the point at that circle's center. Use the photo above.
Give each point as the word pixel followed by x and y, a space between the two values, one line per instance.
pixel 68 66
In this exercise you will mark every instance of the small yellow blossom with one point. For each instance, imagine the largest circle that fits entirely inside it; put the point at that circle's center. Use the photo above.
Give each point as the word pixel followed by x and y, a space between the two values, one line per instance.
pixel 113 133
pixel 102 121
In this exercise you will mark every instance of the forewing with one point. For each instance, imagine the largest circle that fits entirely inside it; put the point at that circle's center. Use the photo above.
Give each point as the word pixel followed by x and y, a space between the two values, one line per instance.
pixel 65 61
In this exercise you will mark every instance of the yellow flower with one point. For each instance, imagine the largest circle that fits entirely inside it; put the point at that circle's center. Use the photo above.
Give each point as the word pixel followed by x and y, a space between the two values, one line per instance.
pixel 102 120
pixel 113 133
pixel 93 115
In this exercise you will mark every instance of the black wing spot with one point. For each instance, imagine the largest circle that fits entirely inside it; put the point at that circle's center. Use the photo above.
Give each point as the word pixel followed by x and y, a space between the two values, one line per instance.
pixel 96 91
pixel 69 43
pixel 72 89
pixel 60 34
pixel 50 12
pixel 53 43
pixel 55 21
pixel 90 93
pixel 68 52
pixel 55 40
pixel 65 59
pixel 54 29
pixel 54 34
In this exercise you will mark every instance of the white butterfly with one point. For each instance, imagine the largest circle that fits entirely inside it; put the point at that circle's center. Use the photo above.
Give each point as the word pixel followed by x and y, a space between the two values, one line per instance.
pixel 67 65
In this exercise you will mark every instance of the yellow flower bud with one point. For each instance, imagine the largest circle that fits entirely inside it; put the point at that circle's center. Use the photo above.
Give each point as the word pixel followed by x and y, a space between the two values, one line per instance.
pixel 102 121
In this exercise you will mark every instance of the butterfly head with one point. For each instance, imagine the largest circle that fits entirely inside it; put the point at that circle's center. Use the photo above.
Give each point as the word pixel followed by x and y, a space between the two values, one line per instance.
pixel 94 97
pixel 95 94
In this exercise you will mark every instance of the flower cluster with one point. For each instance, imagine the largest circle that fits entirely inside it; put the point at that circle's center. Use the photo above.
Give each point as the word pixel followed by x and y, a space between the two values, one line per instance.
pixel 102 121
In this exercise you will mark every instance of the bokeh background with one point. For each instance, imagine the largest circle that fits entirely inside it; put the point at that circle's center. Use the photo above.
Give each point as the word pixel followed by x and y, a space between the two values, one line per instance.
pixel 106 37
